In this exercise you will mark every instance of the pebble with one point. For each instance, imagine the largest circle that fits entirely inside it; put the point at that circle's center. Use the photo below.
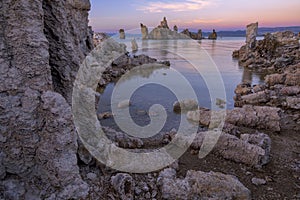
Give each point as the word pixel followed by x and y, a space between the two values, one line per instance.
pixel 148 195
pixel 91 176
pixel 258 181
pixel 249 173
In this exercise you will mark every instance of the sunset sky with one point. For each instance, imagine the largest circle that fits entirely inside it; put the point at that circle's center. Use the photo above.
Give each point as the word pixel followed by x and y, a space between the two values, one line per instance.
pixel 111 15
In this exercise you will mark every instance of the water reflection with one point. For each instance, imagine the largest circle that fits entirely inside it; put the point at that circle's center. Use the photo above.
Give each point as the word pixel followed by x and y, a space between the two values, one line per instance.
pixel 143 71
pixel 252 77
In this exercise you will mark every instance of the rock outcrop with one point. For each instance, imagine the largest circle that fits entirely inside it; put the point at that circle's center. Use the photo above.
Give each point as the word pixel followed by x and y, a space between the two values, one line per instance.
pixel 185 105
pixel 250 149
pixel 274 52
pixel 201 185
pixel 213 35
pixel 278 54
pixel 122 34
pixel 259 117
pixel 125 63
pixel 175 28
pixel 40 53
pixel 162 32
pixel 66 29
pixel 194 36
pixel 251 34
pixel 164 23
pixel 144 31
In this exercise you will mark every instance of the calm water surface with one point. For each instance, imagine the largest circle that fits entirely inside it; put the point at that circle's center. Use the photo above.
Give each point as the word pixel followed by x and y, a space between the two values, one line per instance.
pixel 185 57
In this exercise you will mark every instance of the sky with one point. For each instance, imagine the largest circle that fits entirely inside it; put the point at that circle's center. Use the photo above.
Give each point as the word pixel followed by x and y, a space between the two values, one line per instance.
pixel 111 15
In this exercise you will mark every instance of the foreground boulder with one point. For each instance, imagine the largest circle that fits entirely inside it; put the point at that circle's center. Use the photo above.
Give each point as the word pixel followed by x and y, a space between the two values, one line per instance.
pixel 201 185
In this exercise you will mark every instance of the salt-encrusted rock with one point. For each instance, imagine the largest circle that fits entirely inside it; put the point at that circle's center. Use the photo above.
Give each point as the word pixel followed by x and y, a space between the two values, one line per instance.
pixel 162 32
pixel 262 140
pixel 122 34
pixel 199 34
pixel 251 34
pixel 123 185
pixel 164 23
pixel 123 140
pixel 175 28
pixel 275 52
pixel 293 102
pixel 144 31
pixel 83 154
pixel 105 115
pixel 13 189
pixel 134 45
pixel 69 40
pixel 41 50
pixel 213 35
pixel 124 104
pixel 280 90
pixel 259 117
pixel 185 105
pixel 202 115
pixel 290 91
pixel 251 150
pixel 293 77
pixel 256 98
pixel 243 89
pixel 258 181
pixel 201 185
pixel 274 79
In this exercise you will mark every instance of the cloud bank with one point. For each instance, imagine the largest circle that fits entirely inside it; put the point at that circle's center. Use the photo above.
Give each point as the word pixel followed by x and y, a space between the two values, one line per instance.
pixel 179 6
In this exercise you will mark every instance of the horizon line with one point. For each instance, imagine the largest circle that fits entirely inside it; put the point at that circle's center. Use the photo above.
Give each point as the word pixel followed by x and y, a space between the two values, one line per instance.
pixel 204 30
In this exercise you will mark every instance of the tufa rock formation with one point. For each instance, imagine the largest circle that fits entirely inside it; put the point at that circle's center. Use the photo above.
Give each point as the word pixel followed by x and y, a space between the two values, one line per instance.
pixel 201 185
pixel 162 32
pixel 274 52
pixel 164 23
pixel 194 36
pixel 213 35
pixel 251 34
pixel 175 28
pixel 278 54
pixel 122 34
pixel 40 54
pixel 144 31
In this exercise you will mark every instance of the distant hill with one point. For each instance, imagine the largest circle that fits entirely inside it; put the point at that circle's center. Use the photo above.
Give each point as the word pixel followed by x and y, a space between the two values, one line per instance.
pixel 261 31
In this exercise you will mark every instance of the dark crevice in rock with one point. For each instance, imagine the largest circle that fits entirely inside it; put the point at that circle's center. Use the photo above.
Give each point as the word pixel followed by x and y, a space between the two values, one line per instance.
pixel 70 40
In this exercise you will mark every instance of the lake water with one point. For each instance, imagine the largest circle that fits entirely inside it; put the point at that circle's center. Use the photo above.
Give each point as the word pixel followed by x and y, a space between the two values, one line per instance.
pixel 207 66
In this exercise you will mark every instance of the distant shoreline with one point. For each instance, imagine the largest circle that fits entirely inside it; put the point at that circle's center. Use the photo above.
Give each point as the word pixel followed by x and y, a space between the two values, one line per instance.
pixel 237 33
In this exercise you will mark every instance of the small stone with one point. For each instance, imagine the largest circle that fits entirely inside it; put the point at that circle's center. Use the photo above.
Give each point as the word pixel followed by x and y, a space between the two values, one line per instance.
pixel 148 195
pixel 137 191
pixel 91 176
pixel 154 193
pixel 124 104
pixel 258 181
pixel 105 115
pixel 249 173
